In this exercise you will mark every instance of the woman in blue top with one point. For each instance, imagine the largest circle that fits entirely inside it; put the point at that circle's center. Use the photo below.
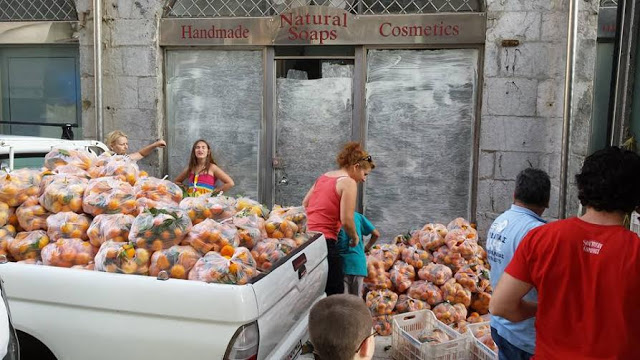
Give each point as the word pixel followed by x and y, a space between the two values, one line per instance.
pixel 353 258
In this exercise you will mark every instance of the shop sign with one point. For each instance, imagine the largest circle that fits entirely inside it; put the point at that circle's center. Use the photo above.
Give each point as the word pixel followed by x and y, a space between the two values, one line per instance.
pixel 320 25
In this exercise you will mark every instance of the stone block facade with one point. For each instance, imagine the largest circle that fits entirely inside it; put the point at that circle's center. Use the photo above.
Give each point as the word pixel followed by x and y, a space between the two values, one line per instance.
pixel 132 73
pixel 523 99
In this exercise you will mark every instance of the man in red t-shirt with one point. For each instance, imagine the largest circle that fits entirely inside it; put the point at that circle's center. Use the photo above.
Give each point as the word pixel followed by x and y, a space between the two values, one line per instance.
pixel 586 269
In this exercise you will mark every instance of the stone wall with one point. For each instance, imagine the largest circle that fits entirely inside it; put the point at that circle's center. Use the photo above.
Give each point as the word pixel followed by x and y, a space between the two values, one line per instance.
pixel 522 103
pixel 132 73
pixel 523 99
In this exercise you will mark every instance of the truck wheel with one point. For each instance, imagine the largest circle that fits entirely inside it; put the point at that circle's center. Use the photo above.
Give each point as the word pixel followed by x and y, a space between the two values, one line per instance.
pixel 32 348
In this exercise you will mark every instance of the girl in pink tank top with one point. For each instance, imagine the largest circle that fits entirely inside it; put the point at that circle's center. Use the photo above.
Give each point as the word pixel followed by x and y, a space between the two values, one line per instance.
pixel 323 204
pixel 203 172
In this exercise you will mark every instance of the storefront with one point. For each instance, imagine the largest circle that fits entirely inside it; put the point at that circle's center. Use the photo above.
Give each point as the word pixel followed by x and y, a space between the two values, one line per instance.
pixel 278 90
pixel 39 69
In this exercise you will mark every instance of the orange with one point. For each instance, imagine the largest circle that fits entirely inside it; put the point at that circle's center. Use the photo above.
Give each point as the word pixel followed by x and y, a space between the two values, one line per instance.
pixel 113 204
pixel 165 235
pixel 142 256
pixel 178 272
pixel 111 253
pixel 233 268
pixel 75 204
pixel 163 262
pixel 68 254
pixel 227 250
pixel 157 245
pixel 129 267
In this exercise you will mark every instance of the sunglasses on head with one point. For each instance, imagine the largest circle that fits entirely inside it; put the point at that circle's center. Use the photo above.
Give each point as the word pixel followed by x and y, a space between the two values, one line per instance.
pixel 367 158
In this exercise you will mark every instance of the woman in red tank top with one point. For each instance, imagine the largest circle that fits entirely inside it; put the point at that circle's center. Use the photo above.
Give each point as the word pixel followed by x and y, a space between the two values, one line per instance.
pixel 331 203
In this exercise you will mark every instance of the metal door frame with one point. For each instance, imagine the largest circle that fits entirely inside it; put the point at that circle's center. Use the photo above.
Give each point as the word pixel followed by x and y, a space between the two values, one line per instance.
pixel 268 183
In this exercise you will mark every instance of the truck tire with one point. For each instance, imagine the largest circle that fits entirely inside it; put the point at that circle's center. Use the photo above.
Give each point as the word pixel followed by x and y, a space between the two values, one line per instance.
pixel 32 348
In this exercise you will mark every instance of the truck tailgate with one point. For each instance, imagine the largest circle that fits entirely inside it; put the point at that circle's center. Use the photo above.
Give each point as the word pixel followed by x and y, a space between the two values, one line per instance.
pixel 285 295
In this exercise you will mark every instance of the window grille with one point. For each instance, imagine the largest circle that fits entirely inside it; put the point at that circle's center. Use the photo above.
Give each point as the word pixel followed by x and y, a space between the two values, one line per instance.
pixel 38 10
pixel 240 8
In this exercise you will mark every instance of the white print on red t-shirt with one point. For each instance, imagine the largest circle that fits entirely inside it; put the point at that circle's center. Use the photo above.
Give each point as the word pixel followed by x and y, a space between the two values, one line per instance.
pixel 591 247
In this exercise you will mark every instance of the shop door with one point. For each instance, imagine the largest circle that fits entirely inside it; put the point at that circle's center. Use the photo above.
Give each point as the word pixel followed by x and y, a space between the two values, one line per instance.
pixel 313 119
pixel 421 116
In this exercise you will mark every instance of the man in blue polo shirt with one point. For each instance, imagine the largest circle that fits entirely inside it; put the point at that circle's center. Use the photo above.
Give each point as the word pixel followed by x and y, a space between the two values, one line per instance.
pixel 517 341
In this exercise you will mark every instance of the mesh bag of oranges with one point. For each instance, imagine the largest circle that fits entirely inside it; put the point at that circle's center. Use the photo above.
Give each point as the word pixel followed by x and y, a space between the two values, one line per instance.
pixel 120 167
pixel 4 213
pixel 68 225
pixel 468 278
pixel 108 195
pixel 381 302
pixel 238 268
pixel 177 261
pixel 67 253
pixel 16 186
pixel 28 244
pixel 158 190
pixel 114 227
pixel 387 253
pixel 402 276
pixel 425 291
pixel 452 259
pixel 31 215
pixel 197 208
pixel 278 227
pixel 157 229
pixel 7 233
pixel 450 314
pixel 377 276
pixel 211 235
pixel 252 207
pixel 435 273
pixel 222 207
pixel 295 214
pixel 462 242
pixel 269 251
pixel 72 170
pixel 251 228
pixel 408 304
pixel 480 302
pixel 122 257
pixel 416 257
pixel 61 157
pixel 382 325
pixel 64 193
pixel 431 236
pixel 456 293
pixel 201 208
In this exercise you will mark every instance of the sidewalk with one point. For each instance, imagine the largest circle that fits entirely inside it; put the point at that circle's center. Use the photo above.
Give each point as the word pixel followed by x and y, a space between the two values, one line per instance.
pixel 381 343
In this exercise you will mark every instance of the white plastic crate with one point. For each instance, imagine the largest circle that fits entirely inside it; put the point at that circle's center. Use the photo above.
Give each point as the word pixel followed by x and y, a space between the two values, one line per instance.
pixel 404 338
pixel 479 351
pixel 635 223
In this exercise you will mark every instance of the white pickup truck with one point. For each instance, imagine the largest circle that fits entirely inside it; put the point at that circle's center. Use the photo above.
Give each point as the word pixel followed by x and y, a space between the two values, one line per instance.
pixel 71 314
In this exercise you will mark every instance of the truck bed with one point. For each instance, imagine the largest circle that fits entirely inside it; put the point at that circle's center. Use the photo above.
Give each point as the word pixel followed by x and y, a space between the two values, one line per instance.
pixel 81 314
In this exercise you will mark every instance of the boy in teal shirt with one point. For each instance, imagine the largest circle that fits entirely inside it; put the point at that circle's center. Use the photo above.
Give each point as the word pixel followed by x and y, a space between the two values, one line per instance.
pixel 353 259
